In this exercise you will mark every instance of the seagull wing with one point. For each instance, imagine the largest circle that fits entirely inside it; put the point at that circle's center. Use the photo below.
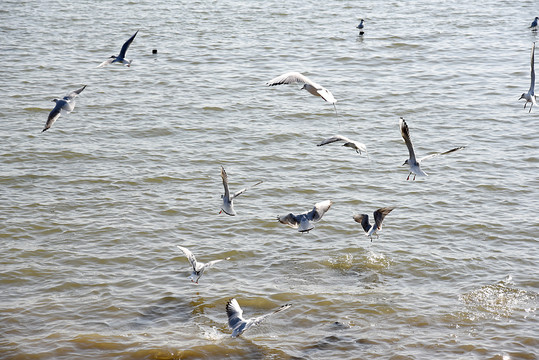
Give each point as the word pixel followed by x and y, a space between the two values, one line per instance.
pixel 289 220
pixel 319 210
pixel 235 317
pixel 189 256
pixel 292 78
pixel 363 219
pixel 334 139
pixel 54 114
pixel 125 46
pixel 326 95
pixel 106 62
pixel 379 216
pixel 224 176
pixel 532 84
pixel 245 189
pixel 211 263
pixel 405 132
pixel 74 94
pixel 257 320
pixel 443 153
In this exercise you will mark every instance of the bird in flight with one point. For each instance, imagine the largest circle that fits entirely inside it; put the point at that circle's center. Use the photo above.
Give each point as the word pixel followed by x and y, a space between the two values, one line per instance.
pixel 236 321
pixel 63 106
pixel 121 57
pixel 356 145
pixel 304 222
pixel 530 96
pixel 228 200
pixel 198 267
pixel 413 162
pixel 379 216
pixel 308 84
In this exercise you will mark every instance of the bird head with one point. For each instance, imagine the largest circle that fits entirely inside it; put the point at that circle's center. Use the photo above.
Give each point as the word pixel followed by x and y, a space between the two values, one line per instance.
pixel 304 87
pixel 54 100
pixel 405 162
pixel 523 96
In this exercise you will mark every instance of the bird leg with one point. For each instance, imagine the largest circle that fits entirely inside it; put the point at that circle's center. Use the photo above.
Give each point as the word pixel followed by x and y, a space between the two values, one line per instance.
pixel 414 177
pixel 408 178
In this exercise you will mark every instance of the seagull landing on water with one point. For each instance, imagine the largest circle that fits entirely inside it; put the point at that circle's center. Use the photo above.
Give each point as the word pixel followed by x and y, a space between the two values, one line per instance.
pixel 361 26
pixel 228 200
pixel 412 162
pixel 304 222
pixel 236 321
pixel 530 96
pixel 198 267
pixel 121 57
pixel 63 106
pixel 310 86
pixel 357 146
pixel 379 216
pixel 534 23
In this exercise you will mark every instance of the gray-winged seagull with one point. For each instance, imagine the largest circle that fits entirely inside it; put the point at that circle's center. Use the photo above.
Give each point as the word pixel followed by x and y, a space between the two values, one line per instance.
pixel 228 200
pixel 236 321
pixel 121 57
pixel 356 145
pixel 412 162
pixel 379 216
pixel 63 106
pixel 304 222
pixel 530 96
pixel 198 267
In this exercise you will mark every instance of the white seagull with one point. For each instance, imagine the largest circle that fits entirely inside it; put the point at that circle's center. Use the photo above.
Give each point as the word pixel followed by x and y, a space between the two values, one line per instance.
pixel 530 96
pixel 236 321
pixel 379 216
pixel 228 200
pixel 63 106
pixel 412 162
pixel 121 57
pixel 308 84
pixel 357 146
pixel 198 267
pixel 304 222
pixel 534 23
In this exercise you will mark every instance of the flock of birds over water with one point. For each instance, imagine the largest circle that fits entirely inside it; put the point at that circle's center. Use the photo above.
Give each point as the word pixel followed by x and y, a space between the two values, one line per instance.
pixel 303 222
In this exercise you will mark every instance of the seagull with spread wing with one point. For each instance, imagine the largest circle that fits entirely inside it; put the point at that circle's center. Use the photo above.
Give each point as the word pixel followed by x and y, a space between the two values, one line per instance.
pixel 236 321
pixel 379 216
pixel 356 145
pixel 198 267
pixel 121 57
pixel 308 84
pixel 304 222
pixel 228 199
pixel 413 162
pixel 63 106
pixel 530 96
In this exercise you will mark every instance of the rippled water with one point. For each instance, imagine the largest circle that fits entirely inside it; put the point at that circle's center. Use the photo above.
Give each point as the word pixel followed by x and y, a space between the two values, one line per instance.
pixel 92 210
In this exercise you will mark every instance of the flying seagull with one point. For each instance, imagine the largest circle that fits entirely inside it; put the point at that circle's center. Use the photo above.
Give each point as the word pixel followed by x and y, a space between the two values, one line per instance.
pixel 530 96
pixel 198 267
pixel 308 84
pixel 304 222
pixel 228 200
pixel 412 162
pixel 357 146
pixel 361 26
pixel 379 216
pixel 236 321
pixel 121 57
pixel 534 23
pixel 63 106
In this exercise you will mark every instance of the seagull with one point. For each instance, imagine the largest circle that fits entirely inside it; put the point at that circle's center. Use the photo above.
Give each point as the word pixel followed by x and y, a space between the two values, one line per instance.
pixel 121 57
pixel 534 23
pixel 530 95
pixel 228 200
pixel 359 147
pixel 304 222
pixel 379 216
pixel 236 321
pixel 415 167
pixel 360 27
pixel 63 106
pixel 198 267
pixel 310 86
